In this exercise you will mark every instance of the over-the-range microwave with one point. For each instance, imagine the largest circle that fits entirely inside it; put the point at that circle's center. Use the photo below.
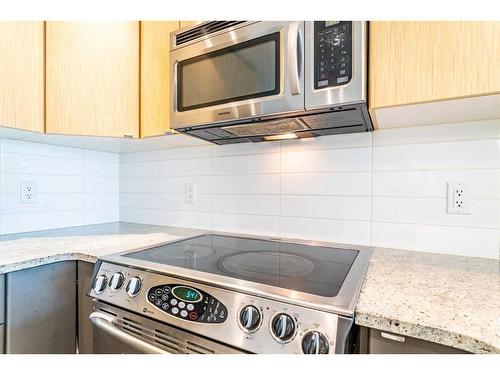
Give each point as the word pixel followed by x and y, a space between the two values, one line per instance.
pixel 253 81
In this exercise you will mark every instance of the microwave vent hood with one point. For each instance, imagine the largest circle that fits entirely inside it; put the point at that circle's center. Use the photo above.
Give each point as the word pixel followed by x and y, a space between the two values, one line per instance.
pixel 348 119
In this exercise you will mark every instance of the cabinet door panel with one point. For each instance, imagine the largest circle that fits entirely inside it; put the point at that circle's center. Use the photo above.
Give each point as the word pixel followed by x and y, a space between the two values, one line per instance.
pixel 416 62
pixel 2 299
pixel 41 310
pixel 187 23
pixel 155 76
pixel 22 75
pixel 85 327
pixel 93 78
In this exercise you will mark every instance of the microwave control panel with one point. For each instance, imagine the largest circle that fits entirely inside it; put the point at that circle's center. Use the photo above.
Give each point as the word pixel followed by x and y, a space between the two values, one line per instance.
pixel 332 53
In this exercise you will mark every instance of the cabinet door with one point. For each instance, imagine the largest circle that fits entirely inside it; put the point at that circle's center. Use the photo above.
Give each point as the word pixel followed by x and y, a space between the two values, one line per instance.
pixel 155 76
pixel 416 62
pixel 187 23
pixel 85 331
pixel 41 310
pixel 2 299
pixel 93 78
pixel 22 75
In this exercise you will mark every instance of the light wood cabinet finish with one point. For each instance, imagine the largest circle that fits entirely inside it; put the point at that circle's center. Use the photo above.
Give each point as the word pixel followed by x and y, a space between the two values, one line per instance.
pixel 155 78
pixel 416 62
pixel 187 23
pixel 92 78
pixel 22 75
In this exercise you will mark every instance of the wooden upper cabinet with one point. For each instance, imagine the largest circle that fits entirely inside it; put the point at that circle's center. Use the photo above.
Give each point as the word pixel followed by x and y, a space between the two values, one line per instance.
pixel 155 78
pixel 92 78
pixel 22 75
pixel 419 62
pixel 187 23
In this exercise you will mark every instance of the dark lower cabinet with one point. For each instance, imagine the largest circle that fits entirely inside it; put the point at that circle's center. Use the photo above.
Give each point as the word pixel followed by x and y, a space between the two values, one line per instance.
pixel 373 341
pixel 2 339
pixel 85 327
pixel 41 309
pixel 2 314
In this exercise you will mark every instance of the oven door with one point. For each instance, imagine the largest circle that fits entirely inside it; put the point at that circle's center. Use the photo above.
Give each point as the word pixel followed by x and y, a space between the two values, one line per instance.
pixel 249 71
pixel 116 331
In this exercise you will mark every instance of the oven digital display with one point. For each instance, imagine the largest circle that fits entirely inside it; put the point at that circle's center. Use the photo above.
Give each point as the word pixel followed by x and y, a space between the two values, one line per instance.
pixel 187 294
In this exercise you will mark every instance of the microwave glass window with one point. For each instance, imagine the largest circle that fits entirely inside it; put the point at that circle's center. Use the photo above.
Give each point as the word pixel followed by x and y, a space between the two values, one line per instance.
pixel 243 71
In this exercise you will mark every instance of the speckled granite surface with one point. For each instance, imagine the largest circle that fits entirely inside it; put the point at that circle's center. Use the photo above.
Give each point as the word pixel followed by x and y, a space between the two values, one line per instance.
pixel 449 300
pixel 80 243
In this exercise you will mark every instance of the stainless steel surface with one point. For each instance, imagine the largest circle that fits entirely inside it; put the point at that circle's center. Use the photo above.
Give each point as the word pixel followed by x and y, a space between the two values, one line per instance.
pixel 343 303
pixel 120 331
pixel 100 284
pixel 41 309
pixel 134 286
pixel 2 338
pixel 286 315
pixel 297 98
pixel 85 328
pixel 374 341
pixel 2 299
pixel 284 102
pixel 116 281
pixel 355 90
pixel 106 323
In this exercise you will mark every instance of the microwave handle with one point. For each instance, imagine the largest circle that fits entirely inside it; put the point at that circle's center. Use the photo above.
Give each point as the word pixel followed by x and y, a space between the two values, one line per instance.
pixel 295 56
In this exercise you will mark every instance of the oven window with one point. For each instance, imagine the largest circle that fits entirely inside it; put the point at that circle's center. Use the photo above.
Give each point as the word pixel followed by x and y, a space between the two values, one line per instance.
pixel 247 70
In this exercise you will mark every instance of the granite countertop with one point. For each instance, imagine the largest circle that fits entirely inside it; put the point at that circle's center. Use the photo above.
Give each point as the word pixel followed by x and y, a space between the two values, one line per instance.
pixel 85 243
pixel 446 299
pixel 450 300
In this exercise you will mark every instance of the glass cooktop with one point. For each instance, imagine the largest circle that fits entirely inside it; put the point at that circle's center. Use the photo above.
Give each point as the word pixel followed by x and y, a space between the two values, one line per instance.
pixel 310 269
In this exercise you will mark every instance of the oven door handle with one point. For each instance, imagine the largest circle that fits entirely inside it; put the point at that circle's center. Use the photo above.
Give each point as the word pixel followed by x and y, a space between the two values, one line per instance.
pixel 295 56
pixel 105 322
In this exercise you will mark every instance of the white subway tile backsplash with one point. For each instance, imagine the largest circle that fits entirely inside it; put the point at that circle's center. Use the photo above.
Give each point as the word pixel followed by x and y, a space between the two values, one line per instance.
pixel 247 164
pixel 432 211
pixel 251 224
pixel 341 183
pixel 186 167
pixel 485 182
pixel 139 169
pixel 175 201
pixel 341 231
pixel 475 242
pixel 176 184
pixel 186 219
pixel 140 200
pixel 339 188
pixel 337 160
pixel 75 186
pixel 331 207
pixel 247 184
pixel 441 155
pixel 247 204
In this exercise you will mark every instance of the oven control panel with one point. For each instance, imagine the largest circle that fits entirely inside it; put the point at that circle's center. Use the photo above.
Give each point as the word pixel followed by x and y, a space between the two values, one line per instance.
pixel 332 53
pixel 188 303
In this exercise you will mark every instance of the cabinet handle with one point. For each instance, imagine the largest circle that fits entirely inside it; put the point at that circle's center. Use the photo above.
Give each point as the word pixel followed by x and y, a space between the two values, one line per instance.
pixel 393 337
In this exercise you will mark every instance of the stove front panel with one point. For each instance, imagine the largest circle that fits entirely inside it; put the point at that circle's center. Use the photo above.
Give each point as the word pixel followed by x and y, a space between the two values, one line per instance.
pixel 218 313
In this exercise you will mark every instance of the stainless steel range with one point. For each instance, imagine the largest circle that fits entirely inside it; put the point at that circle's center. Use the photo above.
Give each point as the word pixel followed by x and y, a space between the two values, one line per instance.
pixel 218 293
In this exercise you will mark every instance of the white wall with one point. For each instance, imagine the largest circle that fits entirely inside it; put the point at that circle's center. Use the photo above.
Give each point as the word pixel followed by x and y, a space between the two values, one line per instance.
pixel 75 186
pixel 386 188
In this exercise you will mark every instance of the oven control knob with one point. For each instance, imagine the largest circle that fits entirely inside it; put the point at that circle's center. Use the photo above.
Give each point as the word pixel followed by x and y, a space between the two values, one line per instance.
pixel 283 327
pixel 314 343
pixel 100 283
pixel 116 281
pixel 250 318
pixel 133 286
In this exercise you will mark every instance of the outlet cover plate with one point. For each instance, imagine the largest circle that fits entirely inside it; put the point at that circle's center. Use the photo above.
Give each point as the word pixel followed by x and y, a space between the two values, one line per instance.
pixel 189 192
pixel 459 198
pixel 29 193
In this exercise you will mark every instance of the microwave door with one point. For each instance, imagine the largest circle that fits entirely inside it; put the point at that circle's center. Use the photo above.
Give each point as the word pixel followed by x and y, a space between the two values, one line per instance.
pixel 335 70
pixel 251 71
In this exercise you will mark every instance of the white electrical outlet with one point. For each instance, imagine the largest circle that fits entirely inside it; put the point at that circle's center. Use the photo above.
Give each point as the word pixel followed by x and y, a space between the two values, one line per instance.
pixel 189 192
pixel 459 198
pixel 29 193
